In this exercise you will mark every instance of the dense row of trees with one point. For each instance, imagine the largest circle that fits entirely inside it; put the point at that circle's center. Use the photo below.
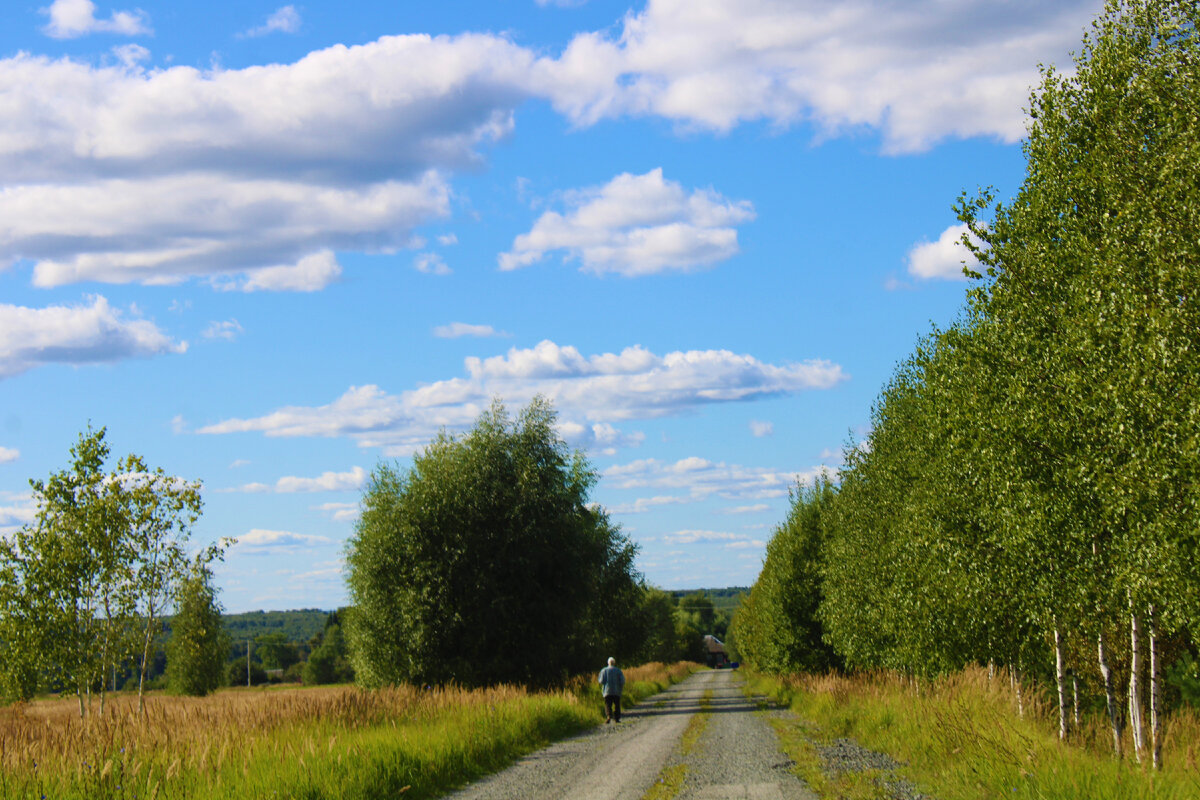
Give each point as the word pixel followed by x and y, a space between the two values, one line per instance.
pixel 485 562
pixel 1028 492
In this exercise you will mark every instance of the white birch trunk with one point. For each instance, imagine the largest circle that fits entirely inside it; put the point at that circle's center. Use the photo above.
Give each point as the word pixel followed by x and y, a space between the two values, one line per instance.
pixel 1156 732
pixel 1060 680
pixel 1114 713
pixel 1135 685
pixel 1075 705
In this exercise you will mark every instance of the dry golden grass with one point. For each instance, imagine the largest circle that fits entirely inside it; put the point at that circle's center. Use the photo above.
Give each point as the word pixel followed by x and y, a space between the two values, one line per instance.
pixel 188 733
pixel 197 747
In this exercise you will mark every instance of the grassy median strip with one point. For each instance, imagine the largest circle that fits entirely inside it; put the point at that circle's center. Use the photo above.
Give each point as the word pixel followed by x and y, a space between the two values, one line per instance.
pixel 309 744
pixel 670 780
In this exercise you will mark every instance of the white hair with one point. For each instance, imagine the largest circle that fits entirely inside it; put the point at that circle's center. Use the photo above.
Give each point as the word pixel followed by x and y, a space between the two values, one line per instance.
pixel 611 661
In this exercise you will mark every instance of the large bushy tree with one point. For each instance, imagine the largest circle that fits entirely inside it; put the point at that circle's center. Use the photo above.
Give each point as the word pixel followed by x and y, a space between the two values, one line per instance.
pixel 486 563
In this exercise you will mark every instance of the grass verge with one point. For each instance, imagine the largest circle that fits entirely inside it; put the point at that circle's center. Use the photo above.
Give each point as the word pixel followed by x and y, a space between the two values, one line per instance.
pixel 961 739
pixel 307 744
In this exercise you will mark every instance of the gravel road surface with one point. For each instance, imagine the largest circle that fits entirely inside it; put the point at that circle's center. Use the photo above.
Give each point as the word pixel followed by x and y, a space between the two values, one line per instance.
pixel 737 756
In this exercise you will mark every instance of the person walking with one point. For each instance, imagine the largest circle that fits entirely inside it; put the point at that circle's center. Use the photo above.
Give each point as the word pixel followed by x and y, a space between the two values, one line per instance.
pixel 612 681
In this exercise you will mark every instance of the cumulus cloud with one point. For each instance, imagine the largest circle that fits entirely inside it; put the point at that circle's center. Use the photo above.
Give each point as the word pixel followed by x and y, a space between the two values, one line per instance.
pixel 431 264
pixel 457 330
pixel 283 20
pixel 605 388
pixel 704 478
pixel 635 225
pixel 259 541
pixel 155 176
pixel 760 428
pixel 694 536
pixel 229 330
pixel 15 510
pixel 916 72
pixel 941 259
pixel 76 335
pixel 326 482
pixel 341 512
pixel 9 454
pixel 644 504
pixel 70 19
pixel 751 509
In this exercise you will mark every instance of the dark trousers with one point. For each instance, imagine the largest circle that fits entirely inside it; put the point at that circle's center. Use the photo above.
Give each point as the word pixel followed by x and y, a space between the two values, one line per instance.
pixel 612 706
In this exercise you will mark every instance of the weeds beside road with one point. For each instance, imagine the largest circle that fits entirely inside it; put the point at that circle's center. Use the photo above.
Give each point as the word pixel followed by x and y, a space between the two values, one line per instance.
pixel 323 742
pixel 961 738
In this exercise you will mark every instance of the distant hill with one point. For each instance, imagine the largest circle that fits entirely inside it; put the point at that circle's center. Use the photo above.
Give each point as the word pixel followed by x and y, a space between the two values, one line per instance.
pixel 728 598
pixel 298 625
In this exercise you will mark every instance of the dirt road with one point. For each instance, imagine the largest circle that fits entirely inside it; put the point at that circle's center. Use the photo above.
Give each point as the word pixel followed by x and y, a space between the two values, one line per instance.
pixel 736 756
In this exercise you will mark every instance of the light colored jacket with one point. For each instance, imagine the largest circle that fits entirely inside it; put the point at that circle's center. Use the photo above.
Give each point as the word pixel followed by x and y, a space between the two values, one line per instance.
pixel 612 681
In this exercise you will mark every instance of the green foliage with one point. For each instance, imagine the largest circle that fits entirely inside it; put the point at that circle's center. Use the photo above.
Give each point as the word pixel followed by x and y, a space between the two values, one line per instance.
pixel 275 651
pixel 85 584
pixel 777 627
pixel 658 616
pixel 485 563
pixel 329 661
pixel 198 645
pixel 298 625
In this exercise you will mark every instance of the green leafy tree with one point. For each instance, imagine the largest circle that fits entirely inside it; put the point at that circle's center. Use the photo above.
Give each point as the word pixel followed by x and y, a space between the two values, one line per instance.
pixel 329 661
pixel 276 651
pixel 198 645
pixel 658 617
pixel 485 563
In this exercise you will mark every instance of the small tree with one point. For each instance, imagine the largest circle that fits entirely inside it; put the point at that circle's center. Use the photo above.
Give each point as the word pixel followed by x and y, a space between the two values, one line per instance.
pixel 198 645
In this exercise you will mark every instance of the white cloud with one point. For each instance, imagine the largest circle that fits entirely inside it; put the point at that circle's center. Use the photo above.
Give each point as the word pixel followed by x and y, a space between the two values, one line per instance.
pixel 259 541
pixel 326 482
pixel 228 329
pixel 635 225
pixel 644 504
pixel 431 264
pixel 283 20
pixel 916 72
pixel 447 239
pixel 70 19
pixel 751 509
pixel 9 454
pixel 76 335
pixel 755 543
pixel 341 512
pixel 456 330
pixel 155 176
pixel 130 55
pixel 704 478
pixel 15 510
pixel 692 537
pixel 605 388
pixel 239 462
pixel 943 258
pixel 760 428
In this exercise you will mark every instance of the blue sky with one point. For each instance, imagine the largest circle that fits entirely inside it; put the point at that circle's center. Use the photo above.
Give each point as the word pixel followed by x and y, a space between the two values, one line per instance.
pixel 270 246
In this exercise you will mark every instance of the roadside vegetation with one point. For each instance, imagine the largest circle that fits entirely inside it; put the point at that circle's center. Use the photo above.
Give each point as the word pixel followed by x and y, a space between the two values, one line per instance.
pixel 959 737
pixel 323 742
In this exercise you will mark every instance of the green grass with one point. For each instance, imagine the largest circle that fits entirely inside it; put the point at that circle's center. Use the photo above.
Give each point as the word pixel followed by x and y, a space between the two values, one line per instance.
pixel 319 744
pixel 960 738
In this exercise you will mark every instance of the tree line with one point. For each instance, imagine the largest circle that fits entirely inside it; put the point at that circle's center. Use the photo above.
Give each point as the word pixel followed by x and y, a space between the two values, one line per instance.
pixel 484 563
pixel 1027 495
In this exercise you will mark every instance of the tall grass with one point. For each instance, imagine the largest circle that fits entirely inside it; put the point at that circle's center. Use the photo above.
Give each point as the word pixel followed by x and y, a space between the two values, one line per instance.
pixel 338 742
pixel 962 738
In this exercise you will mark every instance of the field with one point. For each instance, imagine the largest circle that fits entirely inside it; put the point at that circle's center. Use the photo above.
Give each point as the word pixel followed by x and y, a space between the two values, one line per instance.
pixel 321 742
pixel 962 738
